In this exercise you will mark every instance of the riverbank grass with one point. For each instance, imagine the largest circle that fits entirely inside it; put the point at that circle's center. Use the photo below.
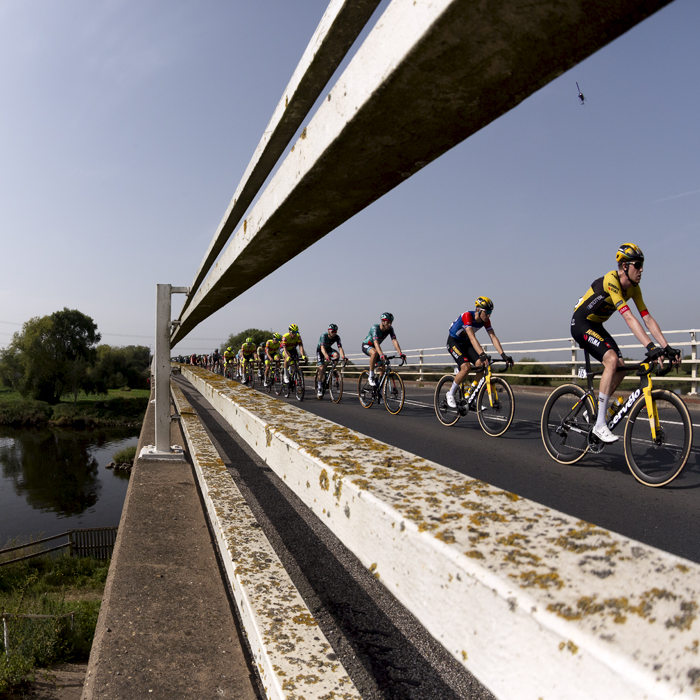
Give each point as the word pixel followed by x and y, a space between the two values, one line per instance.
pixel 120 407
pixel 54 586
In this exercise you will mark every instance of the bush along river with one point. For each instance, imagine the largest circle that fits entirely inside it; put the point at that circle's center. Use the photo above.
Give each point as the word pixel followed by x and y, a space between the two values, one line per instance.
pixel 53 480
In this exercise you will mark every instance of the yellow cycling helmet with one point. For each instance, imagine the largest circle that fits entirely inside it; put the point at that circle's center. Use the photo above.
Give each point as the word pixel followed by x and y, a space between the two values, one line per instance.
pixel 276 336
pixel 629 252
pixel 293 328
pixel 484 303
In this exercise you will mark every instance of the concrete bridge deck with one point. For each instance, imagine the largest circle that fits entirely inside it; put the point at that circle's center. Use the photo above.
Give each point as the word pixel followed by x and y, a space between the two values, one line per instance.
pixel 169 627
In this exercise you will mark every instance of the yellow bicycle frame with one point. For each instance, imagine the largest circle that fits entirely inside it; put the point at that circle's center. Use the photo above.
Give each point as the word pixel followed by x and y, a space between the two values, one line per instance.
pixel 652 411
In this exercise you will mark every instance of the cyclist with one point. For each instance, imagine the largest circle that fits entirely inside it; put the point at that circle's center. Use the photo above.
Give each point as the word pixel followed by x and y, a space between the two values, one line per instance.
pixel 372 343
pixel 597 305
pixel 466 349
pixel 325 352
pixel 272 354
pixel 228 357
pixel 247 354
pixel 260 356
pixel 215 360
pixel 291 344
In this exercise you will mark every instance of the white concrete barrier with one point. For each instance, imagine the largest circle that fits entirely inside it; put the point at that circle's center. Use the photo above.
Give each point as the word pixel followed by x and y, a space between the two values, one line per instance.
pixel 535 603
pixel 292 655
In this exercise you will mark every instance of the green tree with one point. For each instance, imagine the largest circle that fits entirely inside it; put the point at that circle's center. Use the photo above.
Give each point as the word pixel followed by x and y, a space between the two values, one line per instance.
pixel 117 367
pixel 51 356
pixel 235 340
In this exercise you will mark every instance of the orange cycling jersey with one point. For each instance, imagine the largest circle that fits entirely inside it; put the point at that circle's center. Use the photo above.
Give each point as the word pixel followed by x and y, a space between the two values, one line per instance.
pixel 604 296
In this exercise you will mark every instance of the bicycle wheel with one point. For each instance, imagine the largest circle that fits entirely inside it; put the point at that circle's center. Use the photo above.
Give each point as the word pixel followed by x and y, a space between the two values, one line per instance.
pixel 271 381
pixel 277 381
pixel 446 415
pixel 656 462
pixel 299 388
pixel 251 377
pixel 364 391
pixel 495 419
pixel 393 393
pixel 566 422
pixel 335 385
pixel 287 386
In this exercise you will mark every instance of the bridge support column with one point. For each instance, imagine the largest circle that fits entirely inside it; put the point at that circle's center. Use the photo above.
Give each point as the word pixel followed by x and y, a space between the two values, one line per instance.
pixel 161 363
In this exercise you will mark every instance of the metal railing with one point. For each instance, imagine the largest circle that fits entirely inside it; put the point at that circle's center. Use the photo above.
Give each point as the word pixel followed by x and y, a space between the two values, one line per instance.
pixel 429 363
pixel 97 542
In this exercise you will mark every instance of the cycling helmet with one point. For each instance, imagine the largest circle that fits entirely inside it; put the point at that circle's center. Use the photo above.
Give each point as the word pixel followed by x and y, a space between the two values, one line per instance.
pixel 293 328
pixel 484 303
pixel 276 336
pixel 229 348
pixel 629 252
pixel 388 316
pixel 249 340
pixel 332 327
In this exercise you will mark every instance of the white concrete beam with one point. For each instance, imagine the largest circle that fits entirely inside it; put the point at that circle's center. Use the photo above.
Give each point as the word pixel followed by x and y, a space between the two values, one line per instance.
pixel 430 74
pixel 292 655
pixel 340 26
pixel 535 603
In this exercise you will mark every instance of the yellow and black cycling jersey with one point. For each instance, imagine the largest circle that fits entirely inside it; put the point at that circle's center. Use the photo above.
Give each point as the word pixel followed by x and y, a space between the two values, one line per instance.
pixel 272 346
pixel 290 340
pixel 248 349
pixel 605 296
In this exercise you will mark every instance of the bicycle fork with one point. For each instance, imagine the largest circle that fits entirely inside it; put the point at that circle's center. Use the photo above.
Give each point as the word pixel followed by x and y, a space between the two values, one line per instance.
pixel 652 411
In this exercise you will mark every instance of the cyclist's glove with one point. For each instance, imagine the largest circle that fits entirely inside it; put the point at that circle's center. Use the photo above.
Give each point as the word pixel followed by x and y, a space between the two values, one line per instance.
pixel 484 357
pixel 654 352
pixel 507 359
pixel 382 358
pixel 672 353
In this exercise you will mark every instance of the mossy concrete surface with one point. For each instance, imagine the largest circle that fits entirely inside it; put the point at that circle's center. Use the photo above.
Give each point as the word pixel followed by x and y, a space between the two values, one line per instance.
pixel 166 628
pixel 533 602
pixel 293 656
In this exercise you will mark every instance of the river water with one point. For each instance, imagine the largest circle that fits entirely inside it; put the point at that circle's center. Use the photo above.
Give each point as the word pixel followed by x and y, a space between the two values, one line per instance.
pixel 55 480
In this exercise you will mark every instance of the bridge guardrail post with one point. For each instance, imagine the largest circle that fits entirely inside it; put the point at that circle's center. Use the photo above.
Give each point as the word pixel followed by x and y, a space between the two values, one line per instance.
pixel 420 365
pixel 694 368
pixel 574 348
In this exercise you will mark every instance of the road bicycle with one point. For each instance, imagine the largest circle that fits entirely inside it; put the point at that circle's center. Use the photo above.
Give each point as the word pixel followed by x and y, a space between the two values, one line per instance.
pixel 658 433
pixel 230 370
pixel 296 380
pixel 389 387
pixel 274 379
pixel 492 399
pixel 332 382
pixel 248 373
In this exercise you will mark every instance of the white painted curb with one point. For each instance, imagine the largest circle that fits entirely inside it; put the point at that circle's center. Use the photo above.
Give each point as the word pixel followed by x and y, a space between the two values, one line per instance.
pixel 292 655
pixel 535 603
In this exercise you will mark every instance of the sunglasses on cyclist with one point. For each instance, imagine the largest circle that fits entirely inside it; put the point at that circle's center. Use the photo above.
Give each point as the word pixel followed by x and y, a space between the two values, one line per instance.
pixel 638 265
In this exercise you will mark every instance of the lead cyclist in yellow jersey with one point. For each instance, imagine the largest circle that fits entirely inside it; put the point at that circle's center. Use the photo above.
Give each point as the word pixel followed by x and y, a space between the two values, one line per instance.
pixel 606 295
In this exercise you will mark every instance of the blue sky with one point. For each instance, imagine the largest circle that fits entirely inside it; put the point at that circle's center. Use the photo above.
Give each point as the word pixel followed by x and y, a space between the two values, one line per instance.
pixel 126 128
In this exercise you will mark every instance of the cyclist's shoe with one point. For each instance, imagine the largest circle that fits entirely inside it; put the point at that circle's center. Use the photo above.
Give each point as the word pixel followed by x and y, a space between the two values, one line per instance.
pixel 451 400
pixel 604 435
pixel 371 381
pixel 319 393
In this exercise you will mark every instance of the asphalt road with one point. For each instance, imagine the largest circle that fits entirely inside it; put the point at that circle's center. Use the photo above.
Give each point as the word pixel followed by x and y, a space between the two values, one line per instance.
pixel 599 489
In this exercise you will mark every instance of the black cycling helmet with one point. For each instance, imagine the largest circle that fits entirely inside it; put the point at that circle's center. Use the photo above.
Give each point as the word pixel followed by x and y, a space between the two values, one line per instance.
pixel 388 316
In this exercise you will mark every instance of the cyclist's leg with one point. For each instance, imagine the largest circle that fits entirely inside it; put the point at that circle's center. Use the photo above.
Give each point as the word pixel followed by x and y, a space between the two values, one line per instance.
pixel 321 362
pixel 601 345
pixel 369 350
